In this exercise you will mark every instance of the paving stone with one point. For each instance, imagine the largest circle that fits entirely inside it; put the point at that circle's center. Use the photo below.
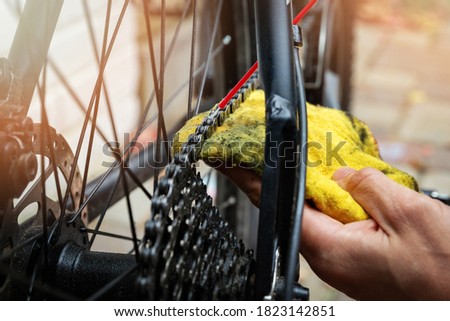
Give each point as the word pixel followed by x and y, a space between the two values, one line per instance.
pixel 368 40
pixel 362 93
pixel 396 80
pixel 399 54
pixel 443 43
pixel 428 122
pixel 381 115
pixel 439 159
pixel 436 179
pixel 415 156
pixel 403 38
pixel 436 84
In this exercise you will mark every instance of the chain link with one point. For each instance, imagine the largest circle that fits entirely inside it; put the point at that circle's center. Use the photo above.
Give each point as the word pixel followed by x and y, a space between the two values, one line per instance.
pixel 189 252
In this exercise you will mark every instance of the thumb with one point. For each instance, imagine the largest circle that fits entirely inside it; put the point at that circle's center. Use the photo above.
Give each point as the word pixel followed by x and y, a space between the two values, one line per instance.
pixel 376 193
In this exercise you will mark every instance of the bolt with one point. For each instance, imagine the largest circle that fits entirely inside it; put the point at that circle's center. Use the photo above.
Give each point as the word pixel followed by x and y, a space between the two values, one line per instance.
pixel 11 150
pixel 29 165
pixel 298 37
pixel 27 124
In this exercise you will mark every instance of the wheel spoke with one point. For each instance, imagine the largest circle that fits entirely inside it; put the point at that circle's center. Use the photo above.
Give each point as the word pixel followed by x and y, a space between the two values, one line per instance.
pixel 105 208
pixel 49 144
pixel 191 70
pixel 209 55
pixel 27 198
pixel 111 235
pixel 162 50
pixel 35 282
pixel 217 51
pixel 44 144
pixel 130 215
pixel 186 83
pixel 88 18
pixel 93 99
pixel 161 121
pixel 97 93
pixel 142 126
pixel 57 71
pixel 16 248
pixel 101 63
pixel 161 141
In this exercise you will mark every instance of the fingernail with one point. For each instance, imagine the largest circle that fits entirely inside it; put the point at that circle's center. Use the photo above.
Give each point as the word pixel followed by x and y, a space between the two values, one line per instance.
pixel 342 173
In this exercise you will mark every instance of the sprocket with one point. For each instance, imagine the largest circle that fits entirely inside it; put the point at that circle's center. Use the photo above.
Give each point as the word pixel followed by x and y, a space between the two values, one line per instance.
pixel 189 252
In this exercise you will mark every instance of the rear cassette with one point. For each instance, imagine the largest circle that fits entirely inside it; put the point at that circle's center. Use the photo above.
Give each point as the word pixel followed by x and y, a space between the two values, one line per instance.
pixel 189 251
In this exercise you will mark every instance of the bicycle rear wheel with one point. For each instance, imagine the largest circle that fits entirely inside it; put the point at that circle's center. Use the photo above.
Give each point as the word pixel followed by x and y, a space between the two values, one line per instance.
pixel 47 246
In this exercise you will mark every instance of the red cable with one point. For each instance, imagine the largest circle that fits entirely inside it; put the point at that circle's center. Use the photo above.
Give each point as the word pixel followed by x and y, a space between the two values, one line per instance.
pixel 252 70
pixel 304 11
pixel 238 86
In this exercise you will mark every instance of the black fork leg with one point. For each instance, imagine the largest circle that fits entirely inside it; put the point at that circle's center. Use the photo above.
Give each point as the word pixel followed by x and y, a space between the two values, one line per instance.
pixel 276 59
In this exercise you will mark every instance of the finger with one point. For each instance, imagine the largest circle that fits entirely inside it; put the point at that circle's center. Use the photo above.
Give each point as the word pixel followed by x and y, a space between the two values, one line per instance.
pixel 380 196
pixel 336 252
pixel 343 172
pixel 319 232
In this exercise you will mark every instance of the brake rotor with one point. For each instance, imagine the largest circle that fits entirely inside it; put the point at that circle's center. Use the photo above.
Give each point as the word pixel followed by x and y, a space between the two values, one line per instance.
pixel 15 223
pixel 64 158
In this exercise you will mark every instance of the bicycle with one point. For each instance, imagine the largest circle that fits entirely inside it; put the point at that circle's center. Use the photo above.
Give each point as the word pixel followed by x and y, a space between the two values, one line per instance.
pixel 47 255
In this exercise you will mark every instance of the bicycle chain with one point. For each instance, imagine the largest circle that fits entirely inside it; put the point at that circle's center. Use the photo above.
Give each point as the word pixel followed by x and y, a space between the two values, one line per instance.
pixel 189 251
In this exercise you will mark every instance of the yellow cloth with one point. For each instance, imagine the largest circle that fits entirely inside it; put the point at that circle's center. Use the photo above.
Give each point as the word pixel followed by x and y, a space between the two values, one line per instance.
pixel 335 139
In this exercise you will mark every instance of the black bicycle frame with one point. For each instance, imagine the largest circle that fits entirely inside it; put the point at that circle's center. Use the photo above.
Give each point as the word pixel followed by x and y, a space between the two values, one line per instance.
pixel 29 49
pixel 283 168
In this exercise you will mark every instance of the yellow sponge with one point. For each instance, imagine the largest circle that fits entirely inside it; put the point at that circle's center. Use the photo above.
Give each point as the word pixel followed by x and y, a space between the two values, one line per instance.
pixel 335 139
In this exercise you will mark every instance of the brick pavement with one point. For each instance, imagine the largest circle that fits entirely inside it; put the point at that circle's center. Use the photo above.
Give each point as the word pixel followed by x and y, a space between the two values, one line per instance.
pixel 402 91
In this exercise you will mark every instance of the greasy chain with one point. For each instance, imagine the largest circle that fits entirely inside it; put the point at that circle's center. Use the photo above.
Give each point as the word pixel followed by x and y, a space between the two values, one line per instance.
pixel 189 251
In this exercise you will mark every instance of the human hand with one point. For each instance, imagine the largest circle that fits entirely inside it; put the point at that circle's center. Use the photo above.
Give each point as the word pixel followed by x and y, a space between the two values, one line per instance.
pixel 403 252
pixel 247 180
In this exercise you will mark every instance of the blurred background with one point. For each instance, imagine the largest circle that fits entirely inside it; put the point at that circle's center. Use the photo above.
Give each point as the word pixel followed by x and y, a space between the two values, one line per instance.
pixel 402 83
pixel 401 87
